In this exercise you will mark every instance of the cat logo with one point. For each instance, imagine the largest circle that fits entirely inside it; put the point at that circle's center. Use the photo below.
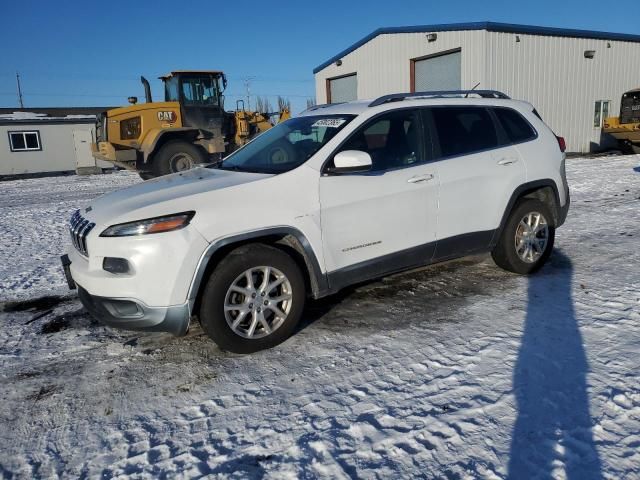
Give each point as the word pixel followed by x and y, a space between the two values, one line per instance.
pixel 167 116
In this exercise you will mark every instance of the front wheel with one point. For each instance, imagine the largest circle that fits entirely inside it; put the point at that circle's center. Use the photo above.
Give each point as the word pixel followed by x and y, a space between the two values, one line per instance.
pixel 176 156
pixel 527 238
pixel 253 299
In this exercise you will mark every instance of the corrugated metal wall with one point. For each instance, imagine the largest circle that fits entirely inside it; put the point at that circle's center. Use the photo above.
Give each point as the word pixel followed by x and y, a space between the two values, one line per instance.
pixel 383 63
pixel 553 74
pixel 550 72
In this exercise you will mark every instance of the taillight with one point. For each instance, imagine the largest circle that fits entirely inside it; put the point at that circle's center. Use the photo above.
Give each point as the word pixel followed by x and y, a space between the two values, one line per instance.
pixel 561 143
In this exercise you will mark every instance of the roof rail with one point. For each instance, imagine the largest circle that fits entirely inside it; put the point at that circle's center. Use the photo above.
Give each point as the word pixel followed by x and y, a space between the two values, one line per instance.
pixel 396 97
pixel 322 105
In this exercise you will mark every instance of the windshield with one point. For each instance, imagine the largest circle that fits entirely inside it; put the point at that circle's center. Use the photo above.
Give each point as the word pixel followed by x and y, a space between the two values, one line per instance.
pixel 287 145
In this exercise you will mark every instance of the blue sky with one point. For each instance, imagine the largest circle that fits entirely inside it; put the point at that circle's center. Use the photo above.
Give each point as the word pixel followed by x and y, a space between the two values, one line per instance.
pixel 92 53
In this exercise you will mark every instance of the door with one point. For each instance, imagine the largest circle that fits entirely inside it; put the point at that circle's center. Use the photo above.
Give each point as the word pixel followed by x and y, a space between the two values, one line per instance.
pixel 384 219
pixel 478 172
pixel 441 72
pixel 200 102
pixel 82 145
pixel 342 89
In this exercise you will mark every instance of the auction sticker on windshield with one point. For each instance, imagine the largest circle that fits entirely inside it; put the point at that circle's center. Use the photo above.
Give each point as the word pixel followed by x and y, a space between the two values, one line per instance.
pixel 329 122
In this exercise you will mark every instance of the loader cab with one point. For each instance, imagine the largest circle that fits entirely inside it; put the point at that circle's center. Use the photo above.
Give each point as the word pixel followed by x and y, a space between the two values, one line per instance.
pixel 199 94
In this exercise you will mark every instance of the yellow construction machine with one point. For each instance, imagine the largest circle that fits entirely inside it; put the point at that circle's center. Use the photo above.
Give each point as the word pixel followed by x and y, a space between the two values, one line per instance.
pixel 626 127
pixel 190 127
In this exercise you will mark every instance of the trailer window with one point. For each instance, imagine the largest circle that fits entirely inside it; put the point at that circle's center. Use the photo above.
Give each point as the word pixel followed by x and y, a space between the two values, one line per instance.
pixel 24 141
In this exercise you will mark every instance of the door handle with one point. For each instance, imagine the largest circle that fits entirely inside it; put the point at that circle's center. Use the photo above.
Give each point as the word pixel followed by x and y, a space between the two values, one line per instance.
pixel 507 161
pixel 420 178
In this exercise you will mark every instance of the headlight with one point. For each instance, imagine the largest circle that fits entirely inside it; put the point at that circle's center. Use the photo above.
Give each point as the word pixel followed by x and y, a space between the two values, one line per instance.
pixel 130 128
pixel 168 223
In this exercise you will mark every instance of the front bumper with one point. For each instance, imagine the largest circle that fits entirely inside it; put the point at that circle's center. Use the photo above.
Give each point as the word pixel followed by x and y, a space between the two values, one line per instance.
pixel 131 314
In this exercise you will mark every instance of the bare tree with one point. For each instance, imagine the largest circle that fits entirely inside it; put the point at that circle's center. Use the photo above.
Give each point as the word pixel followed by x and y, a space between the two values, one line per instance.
pixel 284 103
pixel 311 102
pixel 263 105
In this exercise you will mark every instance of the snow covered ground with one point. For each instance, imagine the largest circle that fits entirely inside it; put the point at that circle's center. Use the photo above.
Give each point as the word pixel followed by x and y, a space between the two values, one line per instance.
pixel 456 371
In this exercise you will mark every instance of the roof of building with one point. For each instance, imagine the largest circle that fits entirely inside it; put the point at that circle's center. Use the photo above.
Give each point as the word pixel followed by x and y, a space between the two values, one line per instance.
pixel 10 115
pixel 489 26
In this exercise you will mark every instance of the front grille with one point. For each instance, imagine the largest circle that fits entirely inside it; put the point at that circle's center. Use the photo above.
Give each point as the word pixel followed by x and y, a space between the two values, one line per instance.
pixel 79 228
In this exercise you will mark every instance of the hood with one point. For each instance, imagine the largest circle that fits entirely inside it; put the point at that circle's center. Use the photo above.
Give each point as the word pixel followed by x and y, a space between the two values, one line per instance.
pixel 165 195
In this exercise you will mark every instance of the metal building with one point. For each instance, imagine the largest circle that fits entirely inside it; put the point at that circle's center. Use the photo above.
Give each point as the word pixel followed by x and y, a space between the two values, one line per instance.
pixel 48 140
pixel 574 78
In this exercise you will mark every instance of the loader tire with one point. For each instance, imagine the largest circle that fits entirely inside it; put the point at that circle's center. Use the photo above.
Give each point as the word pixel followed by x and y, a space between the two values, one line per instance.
pixel 176 156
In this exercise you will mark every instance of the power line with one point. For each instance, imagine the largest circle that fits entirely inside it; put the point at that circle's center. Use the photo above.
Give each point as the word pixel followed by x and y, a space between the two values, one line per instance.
pixel 239 95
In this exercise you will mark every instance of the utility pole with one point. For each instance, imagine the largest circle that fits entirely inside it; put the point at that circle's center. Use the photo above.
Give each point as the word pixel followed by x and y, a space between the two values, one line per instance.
pixel 19 90
pixel 247 86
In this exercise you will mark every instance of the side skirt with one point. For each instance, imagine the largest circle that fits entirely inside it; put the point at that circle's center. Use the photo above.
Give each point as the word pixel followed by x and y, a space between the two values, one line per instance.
pixel 421 255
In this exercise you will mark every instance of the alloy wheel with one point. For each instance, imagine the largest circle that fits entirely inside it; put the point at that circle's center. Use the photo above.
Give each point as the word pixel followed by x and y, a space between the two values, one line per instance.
pixel 258 302
pixel 532 236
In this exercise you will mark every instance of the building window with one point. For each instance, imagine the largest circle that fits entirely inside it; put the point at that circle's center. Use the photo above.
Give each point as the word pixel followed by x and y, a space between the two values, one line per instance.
pixel 24 141
pixel 601 112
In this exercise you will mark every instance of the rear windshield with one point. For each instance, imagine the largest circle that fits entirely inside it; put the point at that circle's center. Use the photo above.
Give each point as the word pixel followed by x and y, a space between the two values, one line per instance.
pixel 287 145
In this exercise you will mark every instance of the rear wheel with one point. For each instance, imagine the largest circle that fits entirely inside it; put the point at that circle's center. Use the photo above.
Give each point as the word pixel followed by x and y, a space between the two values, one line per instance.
pixel 527 238
pixel 176 156
pixel 253 299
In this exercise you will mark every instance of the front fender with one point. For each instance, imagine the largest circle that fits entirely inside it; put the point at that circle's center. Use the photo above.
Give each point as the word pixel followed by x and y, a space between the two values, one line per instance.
pixel 155 137
pixel 318 279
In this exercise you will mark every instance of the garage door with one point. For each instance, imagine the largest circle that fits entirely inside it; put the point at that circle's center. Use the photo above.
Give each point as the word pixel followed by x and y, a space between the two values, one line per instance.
pixel 343 89
pixel 437 73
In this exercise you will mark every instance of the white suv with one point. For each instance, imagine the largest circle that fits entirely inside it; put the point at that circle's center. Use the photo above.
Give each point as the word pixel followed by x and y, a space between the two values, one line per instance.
pixel 341 194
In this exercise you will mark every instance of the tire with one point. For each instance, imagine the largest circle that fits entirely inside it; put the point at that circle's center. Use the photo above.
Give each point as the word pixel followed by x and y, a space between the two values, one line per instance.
pixel 176 156
pixel 281 152
pixel 146 175
pixel 628 148
pixel 218 322
pixel 514 238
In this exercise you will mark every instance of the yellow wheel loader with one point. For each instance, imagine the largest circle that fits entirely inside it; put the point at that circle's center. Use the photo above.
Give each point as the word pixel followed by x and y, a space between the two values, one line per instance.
pixel 190 127
pixel 626 127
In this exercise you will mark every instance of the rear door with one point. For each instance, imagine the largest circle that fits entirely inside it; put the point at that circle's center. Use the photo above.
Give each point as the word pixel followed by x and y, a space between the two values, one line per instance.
pixel 478 172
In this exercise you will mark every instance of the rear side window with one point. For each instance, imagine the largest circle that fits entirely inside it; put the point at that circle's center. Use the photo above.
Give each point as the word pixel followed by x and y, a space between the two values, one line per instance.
pixel 464 130
pixel 514 125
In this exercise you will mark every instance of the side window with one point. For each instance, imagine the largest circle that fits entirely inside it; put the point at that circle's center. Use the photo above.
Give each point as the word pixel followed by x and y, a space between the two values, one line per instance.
pixel 515 126
pixel 464 130
pixel 171 90
pixel 394 140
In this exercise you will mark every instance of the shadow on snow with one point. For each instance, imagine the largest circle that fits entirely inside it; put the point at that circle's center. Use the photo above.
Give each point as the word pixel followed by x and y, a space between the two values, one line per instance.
pixel 553 426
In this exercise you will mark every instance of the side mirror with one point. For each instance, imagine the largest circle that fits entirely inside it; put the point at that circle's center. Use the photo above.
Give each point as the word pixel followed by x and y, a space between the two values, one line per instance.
pixel 351 161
